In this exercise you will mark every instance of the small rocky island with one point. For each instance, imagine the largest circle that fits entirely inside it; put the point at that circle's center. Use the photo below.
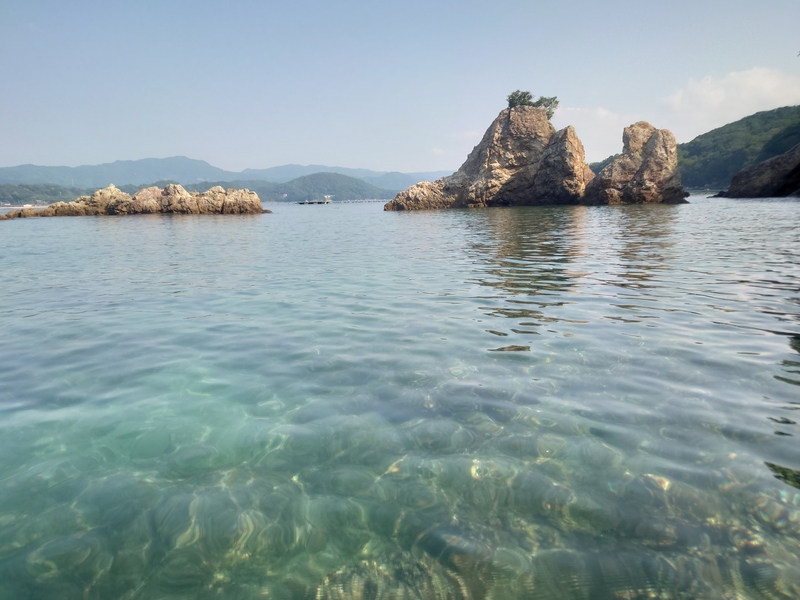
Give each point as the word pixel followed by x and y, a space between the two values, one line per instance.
pixel 774 178
pixel 173 199
pixel 523 161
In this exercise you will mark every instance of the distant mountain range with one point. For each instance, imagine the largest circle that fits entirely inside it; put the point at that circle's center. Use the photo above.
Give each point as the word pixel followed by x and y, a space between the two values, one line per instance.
pixel 188 171
pixel 712 159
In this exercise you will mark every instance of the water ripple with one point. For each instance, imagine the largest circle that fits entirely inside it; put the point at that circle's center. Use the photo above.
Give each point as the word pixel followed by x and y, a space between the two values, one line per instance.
pixel 337 402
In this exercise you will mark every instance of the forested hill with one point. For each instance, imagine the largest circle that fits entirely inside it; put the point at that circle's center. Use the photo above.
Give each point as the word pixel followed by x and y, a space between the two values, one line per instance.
pixel 309 187
pixel 17 195
pixel 712 159
pixel 121 172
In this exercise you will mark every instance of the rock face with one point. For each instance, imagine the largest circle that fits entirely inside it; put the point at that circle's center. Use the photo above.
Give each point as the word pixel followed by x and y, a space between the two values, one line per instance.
pixel 521 160
pixel 563 174
pixel 776 177
pixel 172 199
pixel 646 172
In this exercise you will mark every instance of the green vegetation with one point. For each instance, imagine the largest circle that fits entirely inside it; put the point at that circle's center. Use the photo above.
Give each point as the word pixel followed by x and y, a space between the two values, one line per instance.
pixel 596 167
pixel 17 195
pixel 121 172
pixel 549 103
pixel 712 159
pixel 520 98
pixel 308 187
pixel 341 187
pixel 781 142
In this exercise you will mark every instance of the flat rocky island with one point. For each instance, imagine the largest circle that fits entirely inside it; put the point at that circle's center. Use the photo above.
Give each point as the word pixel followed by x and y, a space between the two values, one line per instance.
pixel 523 161
pixel 173 199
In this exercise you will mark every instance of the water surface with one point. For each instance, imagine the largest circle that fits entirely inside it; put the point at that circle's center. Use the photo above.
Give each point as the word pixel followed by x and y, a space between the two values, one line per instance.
pixel 333 402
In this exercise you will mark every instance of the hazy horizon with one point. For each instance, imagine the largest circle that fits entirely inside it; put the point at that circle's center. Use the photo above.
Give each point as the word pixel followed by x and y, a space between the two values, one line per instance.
pixel 143 158
pixel 385 87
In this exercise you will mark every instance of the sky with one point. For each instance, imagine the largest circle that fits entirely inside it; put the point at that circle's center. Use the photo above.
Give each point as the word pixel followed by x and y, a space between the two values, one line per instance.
pixel 386 85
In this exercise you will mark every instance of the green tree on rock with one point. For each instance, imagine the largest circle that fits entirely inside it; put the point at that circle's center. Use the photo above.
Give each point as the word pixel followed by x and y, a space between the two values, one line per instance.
pixel 550 104
pixel 520 98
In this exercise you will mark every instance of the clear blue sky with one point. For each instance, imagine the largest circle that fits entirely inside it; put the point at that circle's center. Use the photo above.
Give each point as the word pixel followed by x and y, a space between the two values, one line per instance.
pixel 387 85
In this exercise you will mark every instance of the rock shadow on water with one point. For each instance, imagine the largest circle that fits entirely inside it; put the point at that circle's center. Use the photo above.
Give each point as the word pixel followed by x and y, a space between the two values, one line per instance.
pixel 511 349
pixel 788 476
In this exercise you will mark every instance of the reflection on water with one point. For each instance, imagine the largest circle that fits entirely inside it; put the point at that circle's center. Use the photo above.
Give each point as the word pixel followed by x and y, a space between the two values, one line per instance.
pixel 573 402
pixel 527 257
pixel 791 368
pixel 789 476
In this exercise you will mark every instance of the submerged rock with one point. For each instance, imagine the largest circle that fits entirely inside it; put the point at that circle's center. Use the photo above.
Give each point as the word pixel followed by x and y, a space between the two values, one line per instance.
pixel 776 177
pixel 173 199
pixel 647 171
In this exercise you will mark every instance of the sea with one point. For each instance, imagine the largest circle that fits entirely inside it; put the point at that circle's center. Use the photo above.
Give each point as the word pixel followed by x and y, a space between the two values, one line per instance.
pixel 334 402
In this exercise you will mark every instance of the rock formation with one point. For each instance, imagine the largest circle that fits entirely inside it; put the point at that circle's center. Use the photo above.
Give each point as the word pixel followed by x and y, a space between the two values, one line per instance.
pixel 172 199
pixel 563 174
pixel 521 160
pixel 646 172
pixel 776 177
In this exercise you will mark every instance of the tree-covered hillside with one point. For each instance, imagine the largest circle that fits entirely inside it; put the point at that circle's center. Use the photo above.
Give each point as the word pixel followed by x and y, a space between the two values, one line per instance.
pixel 17 195
pixel 712 159
pixel 596 167
pixel 308 187
pixel 121 172
pixel 340 187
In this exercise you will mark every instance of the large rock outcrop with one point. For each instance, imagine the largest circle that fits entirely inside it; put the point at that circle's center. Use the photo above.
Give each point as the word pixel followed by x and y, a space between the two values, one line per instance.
pixel 646 172
pixel 520 161
pixel 776 177
pixel 173 199
pixel 523 161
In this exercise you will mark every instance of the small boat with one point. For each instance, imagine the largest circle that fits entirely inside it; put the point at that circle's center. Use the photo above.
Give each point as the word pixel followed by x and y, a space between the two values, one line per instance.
pixel 326 200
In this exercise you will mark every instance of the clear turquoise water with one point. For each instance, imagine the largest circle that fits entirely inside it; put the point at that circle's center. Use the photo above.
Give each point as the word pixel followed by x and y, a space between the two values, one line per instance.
pixel 336 402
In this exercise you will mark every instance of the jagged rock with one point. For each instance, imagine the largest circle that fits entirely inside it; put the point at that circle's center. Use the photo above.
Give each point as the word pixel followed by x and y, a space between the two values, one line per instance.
pixel 646 172
pixel 100 202
pixel 146 201
pixel 213 200
pixel 67 209
pixel 423 195
pixel 172 199
pixel 521 160
pixel 563 173
pixel 175 199
pixel 234 201
pixel 776 177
